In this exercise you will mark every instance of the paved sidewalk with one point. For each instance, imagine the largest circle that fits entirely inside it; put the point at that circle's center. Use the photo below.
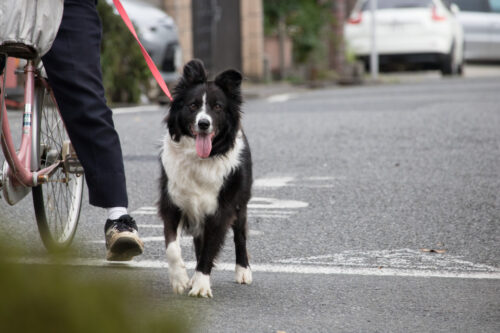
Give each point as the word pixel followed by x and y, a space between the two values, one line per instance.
pixel 265 90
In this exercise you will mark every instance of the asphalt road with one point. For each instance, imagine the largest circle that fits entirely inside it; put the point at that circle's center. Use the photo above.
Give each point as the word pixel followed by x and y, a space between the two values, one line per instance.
pixel 353 186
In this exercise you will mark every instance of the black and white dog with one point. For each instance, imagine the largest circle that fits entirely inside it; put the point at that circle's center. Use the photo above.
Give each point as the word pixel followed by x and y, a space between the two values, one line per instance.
pixel 206 176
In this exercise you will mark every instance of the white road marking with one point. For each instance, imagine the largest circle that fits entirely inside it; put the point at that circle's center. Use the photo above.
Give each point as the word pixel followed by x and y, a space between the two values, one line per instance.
pixel 292 181
pixel 320 178
pixel 146 210
pixel 271 216
pixel 273 182
pixel 258 207
pixel 144 239
pixel 281 268
pixel 271 203
pixel 270 211
pixel 317 186
pixel 185 239
pixel 137 109
pixel 406 259
pixel 252 214
pixel 279 98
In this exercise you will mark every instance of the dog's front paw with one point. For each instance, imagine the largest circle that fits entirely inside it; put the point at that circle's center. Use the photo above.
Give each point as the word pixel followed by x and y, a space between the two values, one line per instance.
pixel 179 279
pixel 243 275
pixel 200 285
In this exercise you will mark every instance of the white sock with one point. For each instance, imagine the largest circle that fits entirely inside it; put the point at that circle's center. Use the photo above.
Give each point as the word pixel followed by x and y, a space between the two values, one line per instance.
pixel 116 212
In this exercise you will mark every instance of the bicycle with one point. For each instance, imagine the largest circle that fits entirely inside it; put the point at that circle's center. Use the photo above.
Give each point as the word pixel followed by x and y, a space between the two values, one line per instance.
pixel 46 163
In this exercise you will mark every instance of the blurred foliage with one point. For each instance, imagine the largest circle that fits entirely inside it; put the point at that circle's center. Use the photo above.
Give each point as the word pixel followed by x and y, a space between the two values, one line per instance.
pixel 125 73
pixel 60 299
pixel 305 22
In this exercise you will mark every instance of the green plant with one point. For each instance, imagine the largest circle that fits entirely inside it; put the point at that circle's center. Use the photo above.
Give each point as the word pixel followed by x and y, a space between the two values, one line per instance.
pixel 305 21
pixel 59 299
pixel 350 56
pixel 125 73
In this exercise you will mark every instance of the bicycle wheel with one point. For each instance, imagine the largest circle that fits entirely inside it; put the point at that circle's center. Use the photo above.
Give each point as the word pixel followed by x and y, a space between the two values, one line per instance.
pixel 57 203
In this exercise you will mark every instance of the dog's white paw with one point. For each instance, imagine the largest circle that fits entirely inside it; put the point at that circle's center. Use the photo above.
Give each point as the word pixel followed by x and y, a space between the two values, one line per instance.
pixel 243 275
pixel 179 279
pixel 200 285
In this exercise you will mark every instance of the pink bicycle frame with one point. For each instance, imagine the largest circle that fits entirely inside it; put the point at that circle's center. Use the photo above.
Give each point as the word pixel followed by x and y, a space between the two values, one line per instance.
pixel 20 164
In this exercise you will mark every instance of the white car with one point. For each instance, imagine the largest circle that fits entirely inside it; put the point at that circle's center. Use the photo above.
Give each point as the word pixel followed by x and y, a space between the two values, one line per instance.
pixel 481 22
pixel 425 33
pixel 158 34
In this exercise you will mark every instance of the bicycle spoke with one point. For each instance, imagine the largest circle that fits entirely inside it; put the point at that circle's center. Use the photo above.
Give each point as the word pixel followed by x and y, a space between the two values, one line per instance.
pixel 61 195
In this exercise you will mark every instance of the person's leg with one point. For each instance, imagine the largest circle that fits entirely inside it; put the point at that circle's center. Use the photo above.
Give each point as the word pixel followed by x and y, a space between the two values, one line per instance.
pixel 74 72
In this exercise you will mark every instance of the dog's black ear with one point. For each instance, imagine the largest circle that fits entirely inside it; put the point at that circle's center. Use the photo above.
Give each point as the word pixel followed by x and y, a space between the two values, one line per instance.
pixel 194 72
pixel 229 80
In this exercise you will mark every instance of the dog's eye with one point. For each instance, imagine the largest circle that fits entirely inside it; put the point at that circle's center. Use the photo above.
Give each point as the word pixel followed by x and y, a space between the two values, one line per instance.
pixel 193 106
pixel 218 107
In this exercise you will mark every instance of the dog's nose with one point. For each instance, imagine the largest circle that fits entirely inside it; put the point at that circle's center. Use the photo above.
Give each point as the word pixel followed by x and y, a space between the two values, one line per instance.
pixel 203 124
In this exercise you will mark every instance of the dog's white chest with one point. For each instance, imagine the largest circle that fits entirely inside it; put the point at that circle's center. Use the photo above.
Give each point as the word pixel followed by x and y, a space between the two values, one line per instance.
pixel 194 183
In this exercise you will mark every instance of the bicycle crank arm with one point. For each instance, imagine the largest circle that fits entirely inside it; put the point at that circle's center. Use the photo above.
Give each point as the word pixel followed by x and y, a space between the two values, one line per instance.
pixel 43 176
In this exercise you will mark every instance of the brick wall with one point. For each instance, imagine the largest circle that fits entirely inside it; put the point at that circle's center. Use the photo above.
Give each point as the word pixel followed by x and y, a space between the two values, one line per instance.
pixel 252 38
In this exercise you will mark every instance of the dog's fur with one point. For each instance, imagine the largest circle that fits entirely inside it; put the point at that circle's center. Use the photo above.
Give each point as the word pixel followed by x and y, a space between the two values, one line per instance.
pixel 206 176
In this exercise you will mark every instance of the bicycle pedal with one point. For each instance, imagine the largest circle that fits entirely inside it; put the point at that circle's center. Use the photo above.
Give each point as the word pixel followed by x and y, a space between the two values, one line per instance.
pixel 70 159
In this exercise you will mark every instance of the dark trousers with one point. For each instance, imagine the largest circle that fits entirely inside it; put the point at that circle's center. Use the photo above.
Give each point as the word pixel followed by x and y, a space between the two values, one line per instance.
pixel 74 71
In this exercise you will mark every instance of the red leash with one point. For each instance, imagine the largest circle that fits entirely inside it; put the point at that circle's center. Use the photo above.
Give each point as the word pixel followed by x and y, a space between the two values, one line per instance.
pixel 149 61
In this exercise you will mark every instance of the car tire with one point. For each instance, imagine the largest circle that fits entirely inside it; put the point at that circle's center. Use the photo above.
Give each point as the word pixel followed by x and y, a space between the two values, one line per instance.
pixel 448 66
pixel 460 67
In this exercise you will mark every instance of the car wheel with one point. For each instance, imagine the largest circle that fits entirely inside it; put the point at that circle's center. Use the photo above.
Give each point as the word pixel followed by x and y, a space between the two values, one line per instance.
pixel 460 66
pixel 448 66
pixel 460 69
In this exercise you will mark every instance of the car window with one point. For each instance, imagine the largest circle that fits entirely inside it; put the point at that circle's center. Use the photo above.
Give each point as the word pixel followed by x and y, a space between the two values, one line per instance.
pixel 387 4
pixel 495 5
pixel 473 5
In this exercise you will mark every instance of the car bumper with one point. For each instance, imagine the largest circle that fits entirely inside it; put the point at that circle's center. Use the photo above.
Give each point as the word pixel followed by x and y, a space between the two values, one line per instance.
pixel 431 60
pixel 361 46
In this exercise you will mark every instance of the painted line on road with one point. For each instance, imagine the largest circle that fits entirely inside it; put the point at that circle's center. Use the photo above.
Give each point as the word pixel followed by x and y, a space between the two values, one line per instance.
pixel 137 109
pixel 292 181
pixel 400 259
pixel 273 182
pixel 270 216
pixel 257 206
pixel 252 213
pixel 279 268
pixel 280 98
pixel 185 239
pixel 146 210
pixel 271 203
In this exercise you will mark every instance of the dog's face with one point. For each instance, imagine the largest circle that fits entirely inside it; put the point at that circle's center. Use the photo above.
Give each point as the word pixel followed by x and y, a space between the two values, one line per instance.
pixel 208 111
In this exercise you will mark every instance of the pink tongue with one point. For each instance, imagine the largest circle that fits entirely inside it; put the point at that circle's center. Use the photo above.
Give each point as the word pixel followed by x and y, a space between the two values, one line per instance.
pixel 203 145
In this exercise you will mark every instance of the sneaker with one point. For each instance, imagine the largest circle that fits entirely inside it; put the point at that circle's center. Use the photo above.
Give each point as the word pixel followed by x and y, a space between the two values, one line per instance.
pixel 122 239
